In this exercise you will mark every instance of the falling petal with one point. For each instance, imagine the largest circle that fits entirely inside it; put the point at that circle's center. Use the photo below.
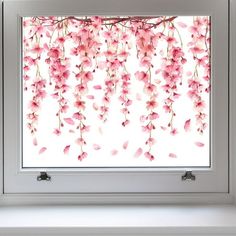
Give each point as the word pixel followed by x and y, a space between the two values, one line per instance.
pixel 187 125
pixel 143 118
pixel 43 149
pixel 100 130
pixel 114 152
pixel 96 147
pixel 163 128
pixel 149 156
pixel 35 142
pixel 189 73
pixel 125 144
pixel 90 97
pixel 71 131
pixel 97 87
pixel 199 144
pixel 138 97
pixel 174 131
pixel 82 156
pixel 181 24
pixel 66 149
pixel 57 132
pixel 69 121
pixel 138 153
pixel 95 106
pixel 172 155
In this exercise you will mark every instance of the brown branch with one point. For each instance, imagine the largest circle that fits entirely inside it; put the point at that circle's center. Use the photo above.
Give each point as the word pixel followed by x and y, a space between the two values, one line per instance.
pixel 115 19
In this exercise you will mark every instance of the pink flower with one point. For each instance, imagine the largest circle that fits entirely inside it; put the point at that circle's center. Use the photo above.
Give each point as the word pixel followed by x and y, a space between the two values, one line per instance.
pixel 37 49
pixel 80 141
pixel 84 128
pixel 82 156
pixel 174 131
pixel 199 105
pixel 153 116
pixel 141 75
pixel 86 62
pixel 80 105
pixel 33 105
pixel 146 62
pixel 123 54
pixel 149 88
pixel 54 53
pixel 149 156
pixel 170 40
pixel 61 40
pixel 88 76
pixel 150 141
pixel 151 104
pixel 81 88
pixel 57 132
pixel 167 108
pixel 196 50
pixel 64 108
pixel 125 123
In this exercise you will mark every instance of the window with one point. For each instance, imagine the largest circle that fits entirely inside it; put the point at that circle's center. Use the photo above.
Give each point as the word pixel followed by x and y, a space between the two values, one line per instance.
pixel 124 99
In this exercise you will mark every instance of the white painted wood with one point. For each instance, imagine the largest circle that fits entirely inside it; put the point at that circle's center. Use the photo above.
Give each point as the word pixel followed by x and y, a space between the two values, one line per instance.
pixel 109 199
pixel 214 179
pixel 119 220
pixel 1 107
pixel 233 97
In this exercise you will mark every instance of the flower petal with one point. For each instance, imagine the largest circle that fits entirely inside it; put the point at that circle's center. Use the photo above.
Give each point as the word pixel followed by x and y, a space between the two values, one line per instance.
pixel 138 152
pixel 199 144
pixel 187 125
pixel 42 150
pixel 69 121
pixel 125 144
pixel 66 149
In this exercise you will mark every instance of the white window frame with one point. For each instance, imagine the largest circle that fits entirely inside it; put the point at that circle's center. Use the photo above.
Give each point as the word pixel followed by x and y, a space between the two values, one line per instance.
pixel 212 180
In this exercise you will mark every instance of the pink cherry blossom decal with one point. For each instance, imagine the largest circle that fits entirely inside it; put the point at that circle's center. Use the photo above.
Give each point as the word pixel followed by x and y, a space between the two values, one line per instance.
pixel 101 82
pixel 199 144
pixel 187 125
pixel 69 121
pixel 125 145
pixel 172 155
pixel 66 149
pixel 114 152
pixel 138 152
pixel 96 147
pixel 42 150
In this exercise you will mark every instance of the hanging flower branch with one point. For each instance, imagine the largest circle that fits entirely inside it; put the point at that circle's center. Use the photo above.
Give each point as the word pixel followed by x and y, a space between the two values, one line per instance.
pixel 77 49
pixel 33 50
pixel 172 71
pixel 146 42
pixel 199 47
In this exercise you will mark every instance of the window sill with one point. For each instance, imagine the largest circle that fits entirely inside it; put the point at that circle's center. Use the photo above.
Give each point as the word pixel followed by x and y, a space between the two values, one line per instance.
pixel 118 220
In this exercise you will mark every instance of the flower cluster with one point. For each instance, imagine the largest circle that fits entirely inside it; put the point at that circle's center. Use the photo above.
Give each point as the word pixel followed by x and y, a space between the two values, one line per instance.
pixel 200 49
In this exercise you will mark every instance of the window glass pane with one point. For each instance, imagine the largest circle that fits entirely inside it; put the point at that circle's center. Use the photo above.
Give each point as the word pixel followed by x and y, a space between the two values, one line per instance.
pixel 116 91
